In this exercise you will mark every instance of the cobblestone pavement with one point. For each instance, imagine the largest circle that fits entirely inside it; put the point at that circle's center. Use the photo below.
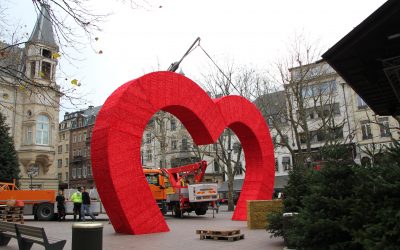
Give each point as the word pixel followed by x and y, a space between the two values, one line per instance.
pixel 182 234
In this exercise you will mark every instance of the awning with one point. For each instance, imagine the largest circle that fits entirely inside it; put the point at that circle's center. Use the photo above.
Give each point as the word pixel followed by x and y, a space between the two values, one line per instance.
pixel 368 59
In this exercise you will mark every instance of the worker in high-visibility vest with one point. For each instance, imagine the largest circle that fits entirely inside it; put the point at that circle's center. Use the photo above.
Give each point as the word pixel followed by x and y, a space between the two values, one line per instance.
pixel 76 198
pixel 182 182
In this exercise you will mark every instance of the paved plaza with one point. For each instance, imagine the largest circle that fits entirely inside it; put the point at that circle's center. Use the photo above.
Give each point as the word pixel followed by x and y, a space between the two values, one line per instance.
pixel 182 234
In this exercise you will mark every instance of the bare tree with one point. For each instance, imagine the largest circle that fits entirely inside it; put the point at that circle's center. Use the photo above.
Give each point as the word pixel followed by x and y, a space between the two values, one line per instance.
pixel 312 110
pixel 239 80
pixel 76 25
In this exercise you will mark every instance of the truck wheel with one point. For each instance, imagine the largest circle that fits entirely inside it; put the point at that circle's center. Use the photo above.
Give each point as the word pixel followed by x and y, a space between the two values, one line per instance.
pixel 164 209
pixel 200 211
pixel 45 212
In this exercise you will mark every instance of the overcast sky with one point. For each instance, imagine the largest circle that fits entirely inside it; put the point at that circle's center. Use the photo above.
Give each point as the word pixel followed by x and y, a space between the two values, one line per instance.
pixel 138 41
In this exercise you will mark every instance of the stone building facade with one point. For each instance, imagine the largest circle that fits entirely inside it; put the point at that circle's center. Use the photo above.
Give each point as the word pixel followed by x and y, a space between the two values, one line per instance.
pixel 32 110
pixel 74 142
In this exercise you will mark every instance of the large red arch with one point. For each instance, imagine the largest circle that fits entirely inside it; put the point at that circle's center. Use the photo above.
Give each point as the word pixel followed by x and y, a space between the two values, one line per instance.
pixel 117 136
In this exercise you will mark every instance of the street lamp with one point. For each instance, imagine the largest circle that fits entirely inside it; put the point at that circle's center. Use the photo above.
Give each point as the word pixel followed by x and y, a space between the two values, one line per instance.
pixel 30 175
pixel 33 171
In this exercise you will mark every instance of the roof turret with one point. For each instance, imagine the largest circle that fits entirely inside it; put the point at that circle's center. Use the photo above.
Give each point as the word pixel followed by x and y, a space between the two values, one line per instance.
pixel 43 31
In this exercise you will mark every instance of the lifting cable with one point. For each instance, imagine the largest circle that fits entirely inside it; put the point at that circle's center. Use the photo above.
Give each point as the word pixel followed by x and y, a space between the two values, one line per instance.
pixel 174 66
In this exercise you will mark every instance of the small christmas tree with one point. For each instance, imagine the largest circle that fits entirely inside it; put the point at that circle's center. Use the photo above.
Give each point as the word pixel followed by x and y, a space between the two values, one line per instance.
pixel 9 168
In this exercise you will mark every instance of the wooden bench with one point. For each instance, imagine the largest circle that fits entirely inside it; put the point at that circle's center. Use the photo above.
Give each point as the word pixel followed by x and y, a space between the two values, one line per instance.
pixel 27 235
pixel 7 231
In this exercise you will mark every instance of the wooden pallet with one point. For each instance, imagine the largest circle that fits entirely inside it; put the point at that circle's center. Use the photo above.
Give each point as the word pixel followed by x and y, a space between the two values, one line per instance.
pixel 219 232
pixel 234 237
pixel 21 220
pixel 12 214
pixel 226 234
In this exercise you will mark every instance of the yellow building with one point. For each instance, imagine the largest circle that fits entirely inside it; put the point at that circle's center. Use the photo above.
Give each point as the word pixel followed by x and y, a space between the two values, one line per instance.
pixel 373 133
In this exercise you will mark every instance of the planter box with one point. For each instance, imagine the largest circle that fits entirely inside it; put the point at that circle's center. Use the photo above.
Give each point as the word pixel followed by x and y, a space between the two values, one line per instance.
pixel 257 212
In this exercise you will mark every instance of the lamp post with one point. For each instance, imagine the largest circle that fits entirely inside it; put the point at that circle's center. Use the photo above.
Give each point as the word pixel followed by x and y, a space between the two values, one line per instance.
pixel 33 171
pixel 30 175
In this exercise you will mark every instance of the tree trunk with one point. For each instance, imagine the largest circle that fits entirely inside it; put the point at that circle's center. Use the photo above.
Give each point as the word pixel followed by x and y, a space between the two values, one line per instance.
pixel 231 205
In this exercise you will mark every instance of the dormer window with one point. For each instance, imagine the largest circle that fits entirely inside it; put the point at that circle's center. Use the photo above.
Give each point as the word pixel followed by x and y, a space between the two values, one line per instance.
pixel 46 53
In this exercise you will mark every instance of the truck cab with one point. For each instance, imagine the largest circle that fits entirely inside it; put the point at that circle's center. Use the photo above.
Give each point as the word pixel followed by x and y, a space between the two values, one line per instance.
pixel 159 187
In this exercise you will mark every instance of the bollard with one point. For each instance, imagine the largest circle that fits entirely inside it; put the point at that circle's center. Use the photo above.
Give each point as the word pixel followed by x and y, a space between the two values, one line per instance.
pixel 87 235
pixel 286 224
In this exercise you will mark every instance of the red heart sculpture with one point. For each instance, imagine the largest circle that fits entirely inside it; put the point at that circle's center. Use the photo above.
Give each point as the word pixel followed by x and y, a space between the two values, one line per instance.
pixel 117 137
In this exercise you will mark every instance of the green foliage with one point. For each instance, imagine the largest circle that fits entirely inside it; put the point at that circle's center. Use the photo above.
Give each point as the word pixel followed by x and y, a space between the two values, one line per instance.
pixel 9 168
pixel 293 192
pixel 344 206
pixel 296 188
pixel 275 223
pixel 323 221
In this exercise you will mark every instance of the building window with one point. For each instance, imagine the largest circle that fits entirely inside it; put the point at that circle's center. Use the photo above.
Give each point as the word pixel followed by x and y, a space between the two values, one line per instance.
pixel 46 70
pixel 384 126
pixel 366 130
pixel 89 170
pixel 74 173
pixel 59 163
pixel 60 149
pixel 216 167
pixel 149 155
pixel 74 138
pixel 307 91
pixel 303 137
pixel 284 139
pixel 84 136
pixel 239 169
pixel 42 130
pixel 173 124
pixel 84 171
pixel 66 177
pixel 276 165
pixel 286 163
pixel 29 135
pixel 337 133
pixel 148 138
pixel 84 152
pixel 59 176
pixel 66 162
pixel 79 137
pixel 173 144
pixel 237 147
pixel 88 151
pixel 79 173
pixel 336 109
pixel 46 53
pixel 184 144
pixel 319 135
pixel 360 103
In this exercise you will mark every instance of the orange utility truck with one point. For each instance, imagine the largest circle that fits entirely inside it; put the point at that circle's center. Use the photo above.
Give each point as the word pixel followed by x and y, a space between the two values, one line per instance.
pixel 39 203
pixel 180 189
pixel 42 203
